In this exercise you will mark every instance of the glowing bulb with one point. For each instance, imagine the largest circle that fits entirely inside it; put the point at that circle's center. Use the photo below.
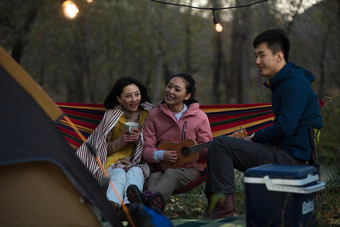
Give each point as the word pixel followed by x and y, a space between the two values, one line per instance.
pixel 89 1
pixel 218 27
pixel 70 9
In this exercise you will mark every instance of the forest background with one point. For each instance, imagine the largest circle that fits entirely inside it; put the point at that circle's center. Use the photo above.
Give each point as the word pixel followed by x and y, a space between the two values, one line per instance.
pixel 79 60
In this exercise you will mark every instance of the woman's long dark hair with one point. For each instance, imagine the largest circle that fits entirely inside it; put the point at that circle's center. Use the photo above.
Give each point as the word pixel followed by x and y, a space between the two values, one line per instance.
pixel 189 86
pixel 111 100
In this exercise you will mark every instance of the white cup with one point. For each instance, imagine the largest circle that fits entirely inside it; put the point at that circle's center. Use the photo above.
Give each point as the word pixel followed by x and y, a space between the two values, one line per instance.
pixel 130 125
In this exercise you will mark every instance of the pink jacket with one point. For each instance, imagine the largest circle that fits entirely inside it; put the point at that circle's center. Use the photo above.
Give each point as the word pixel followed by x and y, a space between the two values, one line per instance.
pixel 161 125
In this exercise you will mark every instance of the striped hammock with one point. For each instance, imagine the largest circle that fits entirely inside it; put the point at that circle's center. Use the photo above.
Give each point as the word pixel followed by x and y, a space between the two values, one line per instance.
pixel 224 120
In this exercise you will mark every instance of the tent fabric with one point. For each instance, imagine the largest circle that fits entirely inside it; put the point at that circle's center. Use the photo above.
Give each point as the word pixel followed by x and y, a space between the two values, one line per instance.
pixel 47 187
pixel 224 119
pixel 29 135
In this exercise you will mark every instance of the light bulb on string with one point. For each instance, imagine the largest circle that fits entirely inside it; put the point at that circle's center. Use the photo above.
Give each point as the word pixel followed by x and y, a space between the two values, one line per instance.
pixel 70 9
pixel 218 26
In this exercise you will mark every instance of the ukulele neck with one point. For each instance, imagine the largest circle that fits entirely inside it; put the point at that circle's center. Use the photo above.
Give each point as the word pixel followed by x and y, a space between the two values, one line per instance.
pixel 199 147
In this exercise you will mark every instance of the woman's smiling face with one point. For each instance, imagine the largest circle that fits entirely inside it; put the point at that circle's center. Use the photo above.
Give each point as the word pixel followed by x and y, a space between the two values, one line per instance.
pixel 176 93
pixel 130 98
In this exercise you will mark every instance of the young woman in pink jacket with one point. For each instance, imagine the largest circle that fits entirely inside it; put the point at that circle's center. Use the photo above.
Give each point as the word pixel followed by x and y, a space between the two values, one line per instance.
pixel 169 128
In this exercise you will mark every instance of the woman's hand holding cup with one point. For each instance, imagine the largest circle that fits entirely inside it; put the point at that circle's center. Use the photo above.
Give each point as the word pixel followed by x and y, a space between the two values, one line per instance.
pixel 131 132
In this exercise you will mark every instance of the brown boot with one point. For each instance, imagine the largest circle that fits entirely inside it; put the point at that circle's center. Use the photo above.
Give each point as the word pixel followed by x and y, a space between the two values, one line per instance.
pixel 224 208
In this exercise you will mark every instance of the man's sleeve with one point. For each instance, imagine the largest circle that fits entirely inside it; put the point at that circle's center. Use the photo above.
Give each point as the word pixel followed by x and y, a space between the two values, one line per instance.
pixel 293 100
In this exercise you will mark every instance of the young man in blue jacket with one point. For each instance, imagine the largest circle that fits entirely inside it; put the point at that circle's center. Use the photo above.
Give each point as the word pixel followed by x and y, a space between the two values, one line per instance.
pixel 286 141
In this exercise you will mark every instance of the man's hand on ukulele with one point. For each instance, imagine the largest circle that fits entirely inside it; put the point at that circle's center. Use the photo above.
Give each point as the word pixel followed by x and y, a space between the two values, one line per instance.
pixel 249 138
pixel 170 156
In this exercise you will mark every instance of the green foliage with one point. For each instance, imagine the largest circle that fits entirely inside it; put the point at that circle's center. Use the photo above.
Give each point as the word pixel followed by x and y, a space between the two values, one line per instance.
pixel 329 145
pixel 328 207
pixel 187 205
pixel 79 60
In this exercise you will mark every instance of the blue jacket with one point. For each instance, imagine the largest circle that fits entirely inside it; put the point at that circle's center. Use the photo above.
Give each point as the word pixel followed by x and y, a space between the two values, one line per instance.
pixel 296 108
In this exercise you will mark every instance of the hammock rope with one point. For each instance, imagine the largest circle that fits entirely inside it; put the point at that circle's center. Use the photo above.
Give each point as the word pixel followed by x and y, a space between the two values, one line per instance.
pixel 327 100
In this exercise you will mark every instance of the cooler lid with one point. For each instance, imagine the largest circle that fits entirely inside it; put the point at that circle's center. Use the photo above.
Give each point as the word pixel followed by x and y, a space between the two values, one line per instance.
pixel 281 171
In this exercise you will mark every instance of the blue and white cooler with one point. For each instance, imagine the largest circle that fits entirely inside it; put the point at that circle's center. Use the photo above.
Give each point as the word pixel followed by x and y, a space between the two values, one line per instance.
pixel 281 195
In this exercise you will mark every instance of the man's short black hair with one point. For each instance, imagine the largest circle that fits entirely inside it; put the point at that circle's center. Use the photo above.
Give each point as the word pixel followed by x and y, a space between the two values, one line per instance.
pixel 276 41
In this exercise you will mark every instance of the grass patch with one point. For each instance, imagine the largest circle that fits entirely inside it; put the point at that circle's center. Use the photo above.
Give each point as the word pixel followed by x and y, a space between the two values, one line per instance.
pixel 328 206
pixel 189 205
pixel 192 204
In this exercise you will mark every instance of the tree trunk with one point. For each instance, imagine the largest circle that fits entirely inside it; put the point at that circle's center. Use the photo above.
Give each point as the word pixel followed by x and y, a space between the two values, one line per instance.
pixel 238 70
pixel 188 41
pixel 156 94
pixel 322 60
pixel 19 44
pixel 217 70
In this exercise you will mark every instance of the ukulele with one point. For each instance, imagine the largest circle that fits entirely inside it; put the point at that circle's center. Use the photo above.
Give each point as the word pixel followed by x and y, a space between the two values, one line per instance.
pixel 187 150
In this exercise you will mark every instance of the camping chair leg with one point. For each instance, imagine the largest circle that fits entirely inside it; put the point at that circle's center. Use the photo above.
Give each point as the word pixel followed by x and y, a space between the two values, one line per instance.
pixel 314 133
pixel 314 161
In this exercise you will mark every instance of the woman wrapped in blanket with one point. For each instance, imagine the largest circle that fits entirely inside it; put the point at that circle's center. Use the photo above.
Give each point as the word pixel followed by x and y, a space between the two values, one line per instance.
pixel 117 146
pixel 176 119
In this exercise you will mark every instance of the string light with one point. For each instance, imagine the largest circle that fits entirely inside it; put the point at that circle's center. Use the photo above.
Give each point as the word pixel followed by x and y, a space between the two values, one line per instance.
pixel 218 26
pixel 70 9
